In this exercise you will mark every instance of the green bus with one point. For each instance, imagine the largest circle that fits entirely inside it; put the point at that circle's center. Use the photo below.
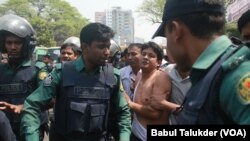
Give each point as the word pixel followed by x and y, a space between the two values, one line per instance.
pixel 39 52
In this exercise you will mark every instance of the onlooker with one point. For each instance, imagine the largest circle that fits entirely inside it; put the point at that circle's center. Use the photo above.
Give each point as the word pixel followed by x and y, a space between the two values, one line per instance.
pixel 219 70
pixel 128 73
pixel 88 92
pixel 150 81
pixel 20 76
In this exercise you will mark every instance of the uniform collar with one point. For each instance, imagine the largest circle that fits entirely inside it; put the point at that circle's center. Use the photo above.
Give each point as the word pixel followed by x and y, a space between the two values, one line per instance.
pixel 212 53
pixel 26 63
pixel 80 64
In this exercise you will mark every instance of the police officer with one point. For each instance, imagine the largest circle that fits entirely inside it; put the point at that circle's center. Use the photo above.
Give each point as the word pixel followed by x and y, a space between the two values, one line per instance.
pixel 89 95
pixel 220 72
pixel 115 54
pixel 70 49
pixel 19 77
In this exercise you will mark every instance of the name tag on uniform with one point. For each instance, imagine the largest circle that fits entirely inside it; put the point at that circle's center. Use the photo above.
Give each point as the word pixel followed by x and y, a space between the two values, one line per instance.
pixel 88 92
pixel 13 88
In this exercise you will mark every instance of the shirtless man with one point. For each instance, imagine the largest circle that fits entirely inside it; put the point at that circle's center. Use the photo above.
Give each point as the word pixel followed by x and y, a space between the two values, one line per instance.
pixel 150 81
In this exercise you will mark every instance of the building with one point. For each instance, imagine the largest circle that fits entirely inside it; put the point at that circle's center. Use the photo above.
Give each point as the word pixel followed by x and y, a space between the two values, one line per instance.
pixel 236 9
pixel 121 21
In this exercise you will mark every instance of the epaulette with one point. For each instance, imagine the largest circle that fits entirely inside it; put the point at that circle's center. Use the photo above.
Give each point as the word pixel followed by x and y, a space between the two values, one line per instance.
pixel 236 59
pixel 40 64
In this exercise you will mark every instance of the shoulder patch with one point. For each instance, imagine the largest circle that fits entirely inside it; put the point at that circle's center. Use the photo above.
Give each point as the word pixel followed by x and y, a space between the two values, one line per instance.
pixel 42 75
pixel 243 88
pixel 47 81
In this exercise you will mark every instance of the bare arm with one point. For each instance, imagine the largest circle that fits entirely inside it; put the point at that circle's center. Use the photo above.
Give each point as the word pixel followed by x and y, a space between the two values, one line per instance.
pixel 143 110
pixel 160 99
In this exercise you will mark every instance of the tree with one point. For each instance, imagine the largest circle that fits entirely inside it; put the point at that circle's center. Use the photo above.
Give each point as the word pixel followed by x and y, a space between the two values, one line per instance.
pixel 53 20
pixel 231 29
pixel 152 10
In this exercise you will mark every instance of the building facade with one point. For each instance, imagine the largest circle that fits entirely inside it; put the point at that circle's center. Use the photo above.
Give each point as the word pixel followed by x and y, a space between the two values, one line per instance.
pixel 121 21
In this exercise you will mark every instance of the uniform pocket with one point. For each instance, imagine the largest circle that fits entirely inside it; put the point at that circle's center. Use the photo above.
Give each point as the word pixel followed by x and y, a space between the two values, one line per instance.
pixel 78 120
pixel 97 114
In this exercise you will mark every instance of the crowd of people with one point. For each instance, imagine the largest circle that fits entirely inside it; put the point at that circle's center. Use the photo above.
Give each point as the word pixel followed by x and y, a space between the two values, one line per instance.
pixel 98 92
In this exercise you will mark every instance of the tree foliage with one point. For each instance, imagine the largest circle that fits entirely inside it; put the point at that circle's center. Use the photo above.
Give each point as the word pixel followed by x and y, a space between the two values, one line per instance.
pixel 231 29
pixel 152 10
pixel 53 20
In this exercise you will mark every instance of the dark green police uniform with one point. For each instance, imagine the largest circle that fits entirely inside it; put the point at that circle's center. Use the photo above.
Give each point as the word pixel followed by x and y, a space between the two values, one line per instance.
pixel 43 95
pixel 233 105
pixel 15 85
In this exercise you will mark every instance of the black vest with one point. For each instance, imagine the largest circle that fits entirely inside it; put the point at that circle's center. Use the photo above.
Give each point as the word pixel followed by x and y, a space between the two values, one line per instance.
pixel 15 87
pixel 201 104
pixel 82 104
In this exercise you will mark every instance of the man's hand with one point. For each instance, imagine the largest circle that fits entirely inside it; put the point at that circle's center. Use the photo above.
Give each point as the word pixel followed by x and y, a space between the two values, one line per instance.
pixel 128 99
pixel 11 107
pixel 159 102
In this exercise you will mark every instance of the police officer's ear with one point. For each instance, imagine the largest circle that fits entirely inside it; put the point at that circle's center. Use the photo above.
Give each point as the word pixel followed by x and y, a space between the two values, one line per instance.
pixel 177 30
pixel 85 48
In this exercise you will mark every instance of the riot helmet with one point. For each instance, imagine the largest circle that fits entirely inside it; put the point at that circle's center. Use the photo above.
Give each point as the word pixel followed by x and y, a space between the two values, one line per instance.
pixel 13 24
pixel 115 53
pixel 75 41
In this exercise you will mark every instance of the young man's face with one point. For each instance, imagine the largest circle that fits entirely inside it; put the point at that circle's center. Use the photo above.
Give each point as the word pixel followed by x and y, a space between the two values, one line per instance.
pixel 149 59
pixel 13 45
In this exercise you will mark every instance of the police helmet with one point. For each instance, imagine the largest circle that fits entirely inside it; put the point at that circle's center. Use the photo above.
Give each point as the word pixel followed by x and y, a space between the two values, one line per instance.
pixel 114 48
pixel 20 27
pixel 75 41
pixel 115 53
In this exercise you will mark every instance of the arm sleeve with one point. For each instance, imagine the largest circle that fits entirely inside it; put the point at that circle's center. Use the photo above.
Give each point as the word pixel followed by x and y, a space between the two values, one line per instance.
pixel 124 115
pixel 34 104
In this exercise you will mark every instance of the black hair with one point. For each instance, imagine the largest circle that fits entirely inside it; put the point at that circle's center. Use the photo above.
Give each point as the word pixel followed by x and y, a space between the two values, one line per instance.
pixel 96 32
pixel 156 48
pixel 125 52
pixel 243 20
pixel 139 45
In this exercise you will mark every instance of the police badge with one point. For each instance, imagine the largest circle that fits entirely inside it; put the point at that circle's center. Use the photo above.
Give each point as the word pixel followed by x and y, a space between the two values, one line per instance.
pixel 244 88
